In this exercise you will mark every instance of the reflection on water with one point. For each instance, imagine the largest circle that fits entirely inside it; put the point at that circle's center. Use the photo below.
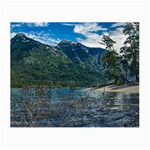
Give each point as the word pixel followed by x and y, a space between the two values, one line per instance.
pixel 74 108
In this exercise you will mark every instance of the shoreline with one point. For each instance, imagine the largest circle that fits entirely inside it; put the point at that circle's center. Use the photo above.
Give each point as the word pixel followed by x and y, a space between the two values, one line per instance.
pixel 115 88
pixel 108 88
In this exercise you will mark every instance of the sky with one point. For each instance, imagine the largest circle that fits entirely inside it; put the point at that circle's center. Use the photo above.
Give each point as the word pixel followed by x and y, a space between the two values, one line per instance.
pixel 88 33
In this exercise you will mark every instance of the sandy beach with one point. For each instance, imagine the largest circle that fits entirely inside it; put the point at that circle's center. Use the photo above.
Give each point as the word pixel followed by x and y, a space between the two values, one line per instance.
pixel 114 88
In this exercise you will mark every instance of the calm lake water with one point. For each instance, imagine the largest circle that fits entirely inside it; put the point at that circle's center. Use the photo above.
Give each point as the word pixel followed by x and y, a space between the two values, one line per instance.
pixel 84 108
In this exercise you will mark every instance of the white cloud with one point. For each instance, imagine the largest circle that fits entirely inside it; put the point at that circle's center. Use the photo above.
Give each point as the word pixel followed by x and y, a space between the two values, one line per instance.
pixel 42 37
pixel 85 28
pixel 12 34
pixel 38 24
pixel 68 24
pixel 93 39
pixel 118 24
pixel 41 24
pixel 118 36
pixel 30 24
pixel 16 25
pixel 88 30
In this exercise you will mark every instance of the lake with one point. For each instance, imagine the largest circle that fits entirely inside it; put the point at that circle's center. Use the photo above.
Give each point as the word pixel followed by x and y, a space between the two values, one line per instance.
pixel 78 107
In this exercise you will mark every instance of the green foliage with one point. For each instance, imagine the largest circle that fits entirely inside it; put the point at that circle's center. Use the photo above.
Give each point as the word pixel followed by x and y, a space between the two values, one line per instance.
pixel 111 62
pixel 108 42
pixel 130 50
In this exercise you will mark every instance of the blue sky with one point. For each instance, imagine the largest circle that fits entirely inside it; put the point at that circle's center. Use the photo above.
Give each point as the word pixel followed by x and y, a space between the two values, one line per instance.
pixel 87 33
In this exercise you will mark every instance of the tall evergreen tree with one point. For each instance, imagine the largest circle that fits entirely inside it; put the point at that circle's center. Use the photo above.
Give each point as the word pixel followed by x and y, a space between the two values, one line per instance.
pixel 130 50
pixel 111 61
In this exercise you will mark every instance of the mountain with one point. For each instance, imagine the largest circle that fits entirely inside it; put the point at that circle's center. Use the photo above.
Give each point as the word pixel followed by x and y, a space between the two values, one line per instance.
pixel 82 55
pixel 67 64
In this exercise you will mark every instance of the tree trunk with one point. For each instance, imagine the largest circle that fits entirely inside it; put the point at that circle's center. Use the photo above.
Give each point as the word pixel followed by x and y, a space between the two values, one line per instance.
pixel 136 78
pixel 126 74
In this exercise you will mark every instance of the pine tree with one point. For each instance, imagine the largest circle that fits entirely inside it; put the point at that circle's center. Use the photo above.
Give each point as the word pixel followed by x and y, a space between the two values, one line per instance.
pixel 130 50
pixel 111 61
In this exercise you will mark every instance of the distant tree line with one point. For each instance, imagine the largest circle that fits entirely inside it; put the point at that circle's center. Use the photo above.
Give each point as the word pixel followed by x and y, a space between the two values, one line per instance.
pixel 123 67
